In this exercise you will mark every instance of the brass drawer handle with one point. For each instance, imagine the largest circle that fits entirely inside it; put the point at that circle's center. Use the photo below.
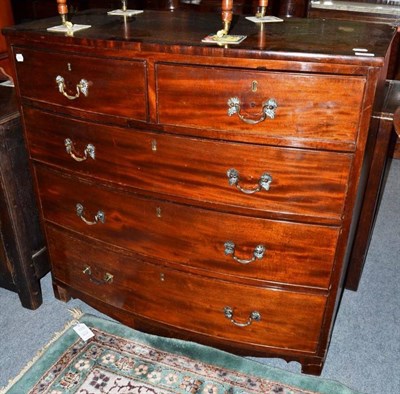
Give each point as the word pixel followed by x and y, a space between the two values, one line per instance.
pixel 90 151
pixel 267 111
pixel 108 278
pixel 99 217
pixel 81 87
pixel 258 252
pixel 263 183
pixel 254 316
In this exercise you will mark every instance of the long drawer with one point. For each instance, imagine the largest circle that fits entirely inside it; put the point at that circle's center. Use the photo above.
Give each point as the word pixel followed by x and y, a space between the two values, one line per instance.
pixel 212 242
pixel 94 85
pixel 290 181
pixel 253 105
pixel 269 318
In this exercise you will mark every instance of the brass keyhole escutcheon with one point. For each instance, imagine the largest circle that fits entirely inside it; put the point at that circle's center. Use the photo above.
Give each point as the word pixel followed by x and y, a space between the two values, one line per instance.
pixel 254 85
pixel 108 278
pixel 158 212
pixel 154 145
pixel 87 270
pixel 69 67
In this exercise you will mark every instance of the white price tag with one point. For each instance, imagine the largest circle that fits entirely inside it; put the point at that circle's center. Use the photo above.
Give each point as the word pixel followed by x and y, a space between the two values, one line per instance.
pixel 83 331
pixel 19 57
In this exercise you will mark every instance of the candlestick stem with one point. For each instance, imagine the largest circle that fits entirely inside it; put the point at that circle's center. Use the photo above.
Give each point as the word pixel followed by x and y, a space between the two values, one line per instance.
pixel 227 7
pixel 62 10
pixel 262 8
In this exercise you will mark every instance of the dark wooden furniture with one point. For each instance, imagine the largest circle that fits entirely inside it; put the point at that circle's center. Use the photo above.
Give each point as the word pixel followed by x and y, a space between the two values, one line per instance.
pixel 384 121
pixel 377 11
pixel 381 11
pixel 396 121
pixel 200 191
pixel 23 258
pixel 6 19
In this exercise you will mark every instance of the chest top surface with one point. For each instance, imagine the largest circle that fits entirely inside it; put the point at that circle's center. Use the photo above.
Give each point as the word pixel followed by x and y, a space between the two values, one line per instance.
pixel 182 32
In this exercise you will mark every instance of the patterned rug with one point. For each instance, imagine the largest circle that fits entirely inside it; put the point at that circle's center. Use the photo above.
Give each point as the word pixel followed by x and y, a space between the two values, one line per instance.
pixel 119 360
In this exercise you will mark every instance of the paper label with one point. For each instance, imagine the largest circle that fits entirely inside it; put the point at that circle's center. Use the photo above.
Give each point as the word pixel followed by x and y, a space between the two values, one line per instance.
pixel 124 13
pixel 65 29
pixel 19 57
pixel 264 19
pixel 228 39
pixel 83 331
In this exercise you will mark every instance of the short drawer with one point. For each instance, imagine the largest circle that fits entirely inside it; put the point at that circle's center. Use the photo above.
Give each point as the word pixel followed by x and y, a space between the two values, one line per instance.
pixel 212 242
pixel 93 85
pixel 294 181
pixel 227 310
pixel 311 109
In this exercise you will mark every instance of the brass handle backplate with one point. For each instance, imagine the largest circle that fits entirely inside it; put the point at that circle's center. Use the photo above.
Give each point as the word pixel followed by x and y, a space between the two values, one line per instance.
pixel 90 151
pixel 258 252
pixel 263 183
pixel 254 316
pixel 81 87
pixel 107 278
pixel 99 217
pixel 267 110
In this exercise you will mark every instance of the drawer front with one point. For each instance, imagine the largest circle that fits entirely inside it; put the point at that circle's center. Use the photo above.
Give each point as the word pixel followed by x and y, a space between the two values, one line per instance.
pixel 319 108
pixel 114 87
pixel 287 319
pixel 214 243
pixel 304 182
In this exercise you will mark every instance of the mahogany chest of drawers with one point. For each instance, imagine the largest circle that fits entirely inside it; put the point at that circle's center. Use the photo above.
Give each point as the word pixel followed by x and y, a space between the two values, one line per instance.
pixel 204 192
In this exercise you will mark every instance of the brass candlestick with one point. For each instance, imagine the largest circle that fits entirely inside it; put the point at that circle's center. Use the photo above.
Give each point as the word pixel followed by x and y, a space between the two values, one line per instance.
pixel 62 10
pixel 124 11
pixel 262 8
pixel 227 6
pixel 66 27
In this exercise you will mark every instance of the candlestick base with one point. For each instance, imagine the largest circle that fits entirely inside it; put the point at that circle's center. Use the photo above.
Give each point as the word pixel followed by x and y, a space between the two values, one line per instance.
pixel 68 29
pixel 264 19
pixel 226 39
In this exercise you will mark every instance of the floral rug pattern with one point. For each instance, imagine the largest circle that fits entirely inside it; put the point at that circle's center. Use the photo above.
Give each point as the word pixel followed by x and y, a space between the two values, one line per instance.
pixel 109 364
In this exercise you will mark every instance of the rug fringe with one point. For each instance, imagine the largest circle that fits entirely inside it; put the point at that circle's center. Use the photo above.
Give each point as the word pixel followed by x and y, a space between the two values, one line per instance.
pixel 76 315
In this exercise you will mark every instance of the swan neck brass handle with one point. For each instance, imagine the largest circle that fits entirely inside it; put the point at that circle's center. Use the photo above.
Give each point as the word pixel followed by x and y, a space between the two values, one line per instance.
pixel 107 278
pixel 254 316
pixel 263 183
pixel 90 151
pixel 258 253
pixel 267 110
pixel 81 87
pixel 99 217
